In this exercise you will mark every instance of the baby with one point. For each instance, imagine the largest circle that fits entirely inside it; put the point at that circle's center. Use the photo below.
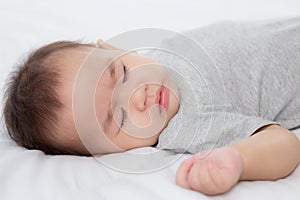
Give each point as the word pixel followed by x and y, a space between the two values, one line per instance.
pixel 59 95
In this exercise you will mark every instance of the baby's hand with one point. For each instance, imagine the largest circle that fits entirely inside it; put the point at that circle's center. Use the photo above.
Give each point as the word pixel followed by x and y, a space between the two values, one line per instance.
pixel 211 173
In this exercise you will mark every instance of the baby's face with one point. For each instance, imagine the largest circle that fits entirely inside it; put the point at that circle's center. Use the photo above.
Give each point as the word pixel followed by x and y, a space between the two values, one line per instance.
pixel 134 99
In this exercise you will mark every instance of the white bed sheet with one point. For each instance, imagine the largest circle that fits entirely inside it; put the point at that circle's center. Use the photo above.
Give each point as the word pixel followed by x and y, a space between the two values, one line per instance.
pixel 25 25
pixel 32 175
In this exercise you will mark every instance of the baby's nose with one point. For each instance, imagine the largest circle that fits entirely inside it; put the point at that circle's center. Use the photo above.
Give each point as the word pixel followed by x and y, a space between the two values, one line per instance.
pixel 139 98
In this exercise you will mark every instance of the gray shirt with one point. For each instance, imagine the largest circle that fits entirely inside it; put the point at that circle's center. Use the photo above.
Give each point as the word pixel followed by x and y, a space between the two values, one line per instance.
pixel 246 77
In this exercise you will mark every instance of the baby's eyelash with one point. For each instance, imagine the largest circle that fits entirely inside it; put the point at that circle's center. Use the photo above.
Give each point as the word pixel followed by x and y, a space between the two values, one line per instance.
pixel 124 117
pixel 125 74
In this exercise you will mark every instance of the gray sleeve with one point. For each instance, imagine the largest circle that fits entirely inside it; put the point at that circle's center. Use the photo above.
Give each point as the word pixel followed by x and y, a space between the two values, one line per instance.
pixel 214 130
pixel 236 127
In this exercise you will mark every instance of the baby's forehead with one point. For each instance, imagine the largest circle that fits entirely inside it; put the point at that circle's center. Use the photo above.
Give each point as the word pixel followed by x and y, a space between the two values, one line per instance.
pixel 97 59
pixel 85 66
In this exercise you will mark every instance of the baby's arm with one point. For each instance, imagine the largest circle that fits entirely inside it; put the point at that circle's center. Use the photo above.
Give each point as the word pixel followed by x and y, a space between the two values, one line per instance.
pixel 272 153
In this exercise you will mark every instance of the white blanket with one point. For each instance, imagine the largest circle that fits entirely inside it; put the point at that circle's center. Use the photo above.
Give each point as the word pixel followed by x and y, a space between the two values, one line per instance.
pixel 32 175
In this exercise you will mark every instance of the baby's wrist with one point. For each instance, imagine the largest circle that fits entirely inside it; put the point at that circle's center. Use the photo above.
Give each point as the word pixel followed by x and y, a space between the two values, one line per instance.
pixel 242 157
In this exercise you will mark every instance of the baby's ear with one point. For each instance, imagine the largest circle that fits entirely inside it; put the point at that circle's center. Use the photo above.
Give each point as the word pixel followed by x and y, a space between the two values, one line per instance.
pixel 104 45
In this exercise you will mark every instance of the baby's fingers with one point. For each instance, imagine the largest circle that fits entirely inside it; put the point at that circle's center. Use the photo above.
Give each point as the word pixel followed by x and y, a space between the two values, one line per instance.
pixel 183 171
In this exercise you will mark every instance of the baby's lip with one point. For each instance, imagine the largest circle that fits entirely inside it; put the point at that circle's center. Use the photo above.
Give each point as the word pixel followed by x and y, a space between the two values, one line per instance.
pixel 162 97
pixel 158 95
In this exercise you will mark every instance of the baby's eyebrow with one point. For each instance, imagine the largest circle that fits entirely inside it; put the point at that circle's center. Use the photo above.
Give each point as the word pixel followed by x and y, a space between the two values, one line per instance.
pixel 112 71
pixel 111 67
pixel 107 121
pixel 108 115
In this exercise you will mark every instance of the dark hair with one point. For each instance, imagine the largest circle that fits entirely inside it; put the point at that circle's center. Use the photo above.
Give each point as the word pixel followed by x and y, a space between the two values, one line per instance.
pixel 31 99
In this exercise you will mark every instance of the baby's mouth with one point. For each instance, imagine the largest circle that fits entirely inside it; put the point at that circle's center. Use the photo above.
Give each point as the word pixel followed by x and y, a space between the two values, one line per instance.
pixel 162 97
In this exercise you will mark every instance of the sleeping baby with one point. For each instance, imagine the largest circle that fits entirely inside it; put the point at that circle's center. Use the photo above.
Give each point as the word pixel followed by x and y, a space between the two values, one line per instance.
pixel 236 102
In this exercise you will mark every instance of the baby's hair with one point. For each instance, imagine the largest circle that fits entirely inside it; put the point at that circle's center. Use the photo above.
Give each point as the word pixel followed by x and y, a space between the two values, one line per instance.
pixel 31 98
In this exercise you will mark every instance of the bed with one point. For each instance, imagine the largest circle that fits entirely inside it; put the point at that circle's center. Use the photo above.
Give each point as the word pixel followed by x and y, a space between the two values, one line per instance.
pixel 33 175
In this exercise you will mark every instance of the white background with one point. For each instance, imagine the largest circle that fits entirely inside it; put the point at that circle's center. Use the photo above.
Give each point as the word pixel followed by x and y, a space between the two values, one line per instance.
pixel 25 25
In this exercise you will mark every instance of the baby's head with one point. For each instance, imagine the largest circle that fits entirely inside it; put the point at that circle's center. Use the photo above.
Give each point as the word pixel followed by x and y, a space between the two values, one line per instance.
pixel 133 100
